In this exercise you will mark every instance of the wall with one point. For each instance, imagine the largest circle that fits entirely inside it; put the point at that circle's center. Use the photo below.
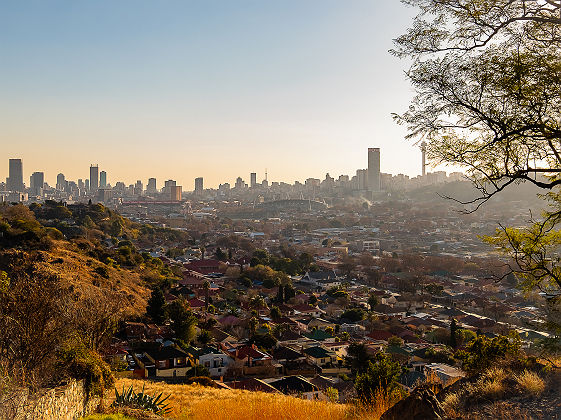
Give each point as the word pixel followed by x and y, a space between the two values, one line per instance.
pixel 67 402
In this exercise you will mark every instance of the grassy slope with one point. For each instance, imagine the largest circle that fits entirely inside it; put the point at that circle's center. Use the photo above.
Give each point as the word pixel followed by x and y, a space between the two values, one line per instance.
pixel 195 402
pixel 77 271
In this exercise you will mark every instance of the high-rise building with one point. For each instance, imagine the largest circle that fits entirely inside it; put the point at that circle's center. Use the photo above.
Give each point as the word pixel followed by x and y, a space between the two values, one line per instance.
pixel 15 180
pixel 138 188
pixel 94 178
pixel 36 181
pixel 362 179
pixel 102 179
pixel 168 185
pixel 61 182
pixel 87 184
pixel 253 180
pixel 199 186
pixel 175 192
pixel 151 187
pixel 373 169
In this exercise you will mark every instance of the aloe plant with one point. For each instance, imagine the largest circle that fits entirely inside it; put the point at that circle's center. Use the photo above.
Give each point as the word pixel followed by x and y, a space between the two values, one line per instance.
pixel 141 400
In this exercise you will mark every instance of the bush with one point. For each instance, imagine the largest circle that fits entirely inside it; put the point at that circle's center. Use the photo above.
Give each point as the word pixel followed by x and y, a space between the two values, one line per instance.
pixel 530 382
pixel 77 361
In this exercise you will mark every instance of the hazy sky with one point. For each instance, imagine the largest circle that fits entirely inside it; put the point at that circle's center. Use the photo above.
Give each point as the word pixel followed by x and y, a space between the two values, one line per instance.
pixel 177 89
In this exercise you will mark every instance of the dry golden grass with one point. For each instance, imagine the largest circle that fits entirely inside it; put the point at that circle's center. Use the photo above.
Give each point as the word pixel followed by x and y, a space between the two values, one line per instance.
pixel 195 402
pixel 530 382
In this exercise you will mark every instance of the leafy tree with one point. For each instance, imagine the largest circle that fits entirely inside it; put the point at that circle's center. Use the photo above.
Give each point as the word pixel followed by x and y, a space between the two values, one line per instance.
pixel 220 255
pixel 312 299
pixel 183 320
pixel 353 314
pixel 381 376
pixel 275 313
pixel 487 76
pixel 372 301
pixel 357 357
pixel 204 337
pixel 155 308
pixel 395 341
pixel 482 352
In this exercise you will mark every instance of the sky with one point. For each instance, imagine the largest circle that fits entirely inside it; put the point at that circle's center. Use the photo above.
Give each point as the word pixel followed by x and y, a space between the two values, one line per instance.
pixel 177 89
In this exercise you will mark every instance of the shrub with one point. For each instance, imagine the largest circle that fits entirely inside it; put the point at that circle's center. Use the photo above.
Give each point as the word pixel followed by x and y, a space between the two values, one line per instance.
pixel 530 382
pixel 77 361
pixel 141 400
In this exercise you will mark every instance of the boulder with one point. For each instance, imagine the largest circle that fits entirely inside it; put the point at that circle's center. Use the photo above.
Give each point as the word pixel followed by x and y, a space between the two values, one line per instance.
pixel 422 404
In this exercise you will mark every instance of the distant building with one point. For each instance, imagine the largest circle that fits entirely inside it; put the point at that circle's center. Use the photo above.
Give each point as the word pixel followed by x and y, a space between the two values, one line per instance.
pixel 94 178
pixel 151 187
pixel 102 179
pixel 15 180
pixel 61 182
pixel 175 193
pixel 199 185
pixel 373 169
pixel 253 181
pixel 36 181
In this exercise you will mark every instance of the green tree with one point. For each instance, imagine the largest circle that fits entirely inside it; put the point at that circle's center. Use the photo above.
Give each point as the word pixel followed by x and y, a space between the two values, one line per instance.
pixel 357 357
pixel 381 376
pixel 183 320
pixel 372 301
pixel 155 308
pixel 275 313
pixel 454 334
pixel 487 76
pixel 220 255
pixel 482 352
pixel 204 337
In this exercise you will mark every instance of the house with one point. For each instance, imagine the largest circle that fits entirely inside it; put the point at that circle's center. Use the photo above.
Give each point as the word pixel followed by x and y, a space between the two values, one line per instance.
pixel 249 360
pixel 446 373
pixel 169 361
pixel 321 280
pixel 319 356
pixel 299 386
pixel 216 361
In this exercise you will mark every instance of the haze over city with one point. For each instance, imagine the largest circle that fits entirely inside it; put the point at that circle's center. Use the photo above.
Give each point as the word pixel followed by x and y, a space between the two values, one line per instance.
pixel 212 89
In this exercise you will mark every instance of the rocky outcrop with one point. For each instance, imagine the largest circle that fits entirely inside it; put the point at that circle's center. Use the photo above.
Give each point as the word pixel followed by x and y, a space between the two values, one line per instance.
pixel 422 404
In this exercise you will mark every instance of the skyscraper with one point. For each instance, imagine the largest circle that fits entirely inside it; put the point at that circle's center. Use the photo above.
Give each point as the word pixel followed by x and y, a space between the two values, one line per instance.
pixel 36 181
pixel 199 186
pixel 373 169
pixel 151 187
pixel 15 180
pixel 94 178
pixel 253 181
pixel 102 179
pixel 61 182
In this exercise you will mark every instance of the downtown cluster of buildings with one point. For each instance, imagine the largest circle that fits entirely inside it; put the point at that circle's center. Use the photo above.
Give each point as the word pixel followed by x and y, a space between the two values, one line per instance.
pixel 368 183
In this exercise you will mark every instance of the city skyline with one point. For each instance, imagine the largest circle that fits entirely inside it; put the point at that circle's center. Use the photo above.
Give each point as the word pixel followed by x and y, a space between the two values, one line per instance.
pixel 192 89
pixel 102 177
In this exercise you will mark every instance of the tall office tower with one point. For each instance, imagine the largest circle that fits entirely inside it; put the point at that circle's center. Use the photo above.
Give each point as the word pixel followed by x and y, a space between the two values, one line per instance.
pixel 168 185
pixel 424 158
pixel 240 183
pixel 175 192
pixel 373 169
pixel 199 186
pixel 94 178
pixel 253 180
pixel 102 179
pixel 81 184
pixel 36 181
pixel 61 182
pixel 15 181
pixel 151 187
pixel 87 184
pixel 138 188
